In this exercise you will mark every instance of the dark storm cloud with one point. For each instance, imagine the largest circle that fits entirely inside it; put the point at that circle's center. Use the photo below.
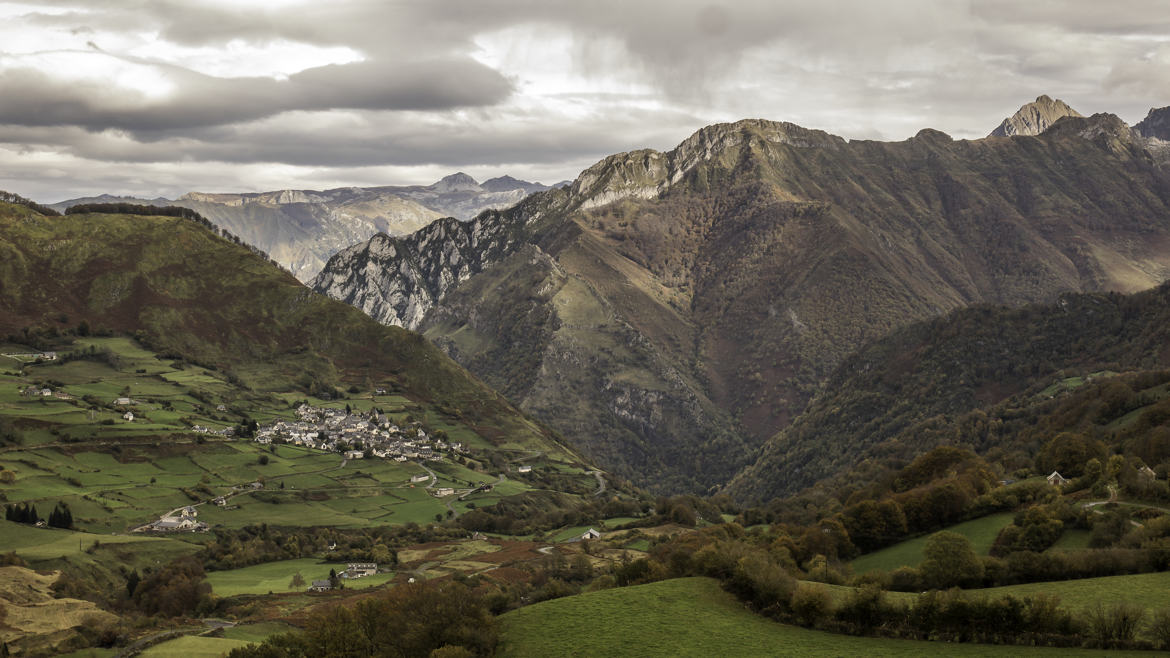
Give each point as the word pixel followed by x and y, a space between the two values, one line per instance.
pixel 37 98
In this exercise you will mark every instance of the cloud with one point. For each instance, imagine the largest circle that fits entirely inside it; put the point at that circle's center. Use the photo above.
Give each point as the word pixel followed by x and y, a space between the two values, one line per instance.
pixel 237 94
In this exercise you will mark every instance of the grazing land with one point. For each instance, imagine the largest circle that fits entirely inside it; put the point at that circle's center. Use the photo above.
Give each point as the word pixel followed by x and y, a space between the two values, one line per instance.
pixel 274 577
pixel 190 646
pixel 981 532
pixel 694 617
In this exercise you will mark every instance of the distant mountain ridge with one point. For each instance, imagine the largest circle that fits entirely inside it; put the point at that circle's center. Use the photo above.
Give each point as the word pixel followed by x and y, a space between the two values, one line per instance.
pixel 669 311
pixel 301 229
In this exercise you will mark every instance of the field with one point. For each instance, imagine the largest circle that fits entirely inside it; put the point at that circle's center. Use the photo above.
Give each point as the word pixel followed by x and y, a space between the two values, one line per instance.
pixel 694 617
pixel 116 474
pixel 190 646
pixel 981 532
pixel 274 577
pixel 1148 590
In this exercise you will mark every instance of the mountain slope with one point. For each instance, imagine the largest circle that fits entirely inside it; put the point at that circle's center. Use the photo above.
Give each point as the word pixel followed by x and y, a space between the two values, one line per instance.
pixel 181 289
pixel 1035 117
pixel 671 311
pixel 914 389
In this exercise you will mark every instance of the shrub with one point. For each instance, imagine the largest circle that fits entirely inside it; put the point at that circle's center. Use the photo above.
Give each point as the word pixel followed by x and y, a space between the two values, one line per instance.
pixel 811 604
pixel 1119 622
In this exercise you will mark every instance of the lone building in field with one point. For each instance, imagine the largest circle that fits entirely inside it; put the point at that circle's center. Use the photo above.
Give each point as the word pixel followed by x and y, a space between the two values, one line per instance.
pixel 1057 480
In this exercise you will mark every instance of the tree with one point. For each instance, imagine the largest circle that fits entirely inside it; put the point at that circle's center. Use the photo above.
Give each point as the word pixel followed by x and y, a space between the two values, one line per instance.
pixel 949 559
pixel 297 582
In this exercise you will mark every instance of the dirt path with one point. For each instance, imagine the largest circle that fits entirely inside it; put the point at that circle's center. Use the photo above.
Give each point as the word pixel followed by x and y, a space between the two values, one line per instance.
pixel 600 483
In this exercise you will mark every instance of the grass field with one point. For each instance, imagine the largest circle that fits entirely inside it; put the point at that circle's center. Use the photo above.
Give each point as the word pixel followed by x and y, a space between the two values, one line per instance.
pixel 694 617
pixel 274 577
pixel 190 646
pixel 981 532
pixel 1149 590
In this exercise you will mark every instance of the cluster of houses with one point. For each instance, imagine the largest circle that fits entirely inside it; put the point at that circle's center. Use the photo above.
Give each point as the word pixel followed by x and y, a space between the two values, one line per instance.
pixel 38 392
pixel 180 520
pixel 34 356
pixel 352 570
pixel 336 430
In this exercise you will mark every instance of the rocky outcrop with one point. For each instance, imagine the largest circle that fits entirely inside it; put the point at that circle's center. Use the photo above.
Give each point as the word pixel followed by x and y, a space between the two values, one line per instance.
pixel 1155 128
pixel 1035 117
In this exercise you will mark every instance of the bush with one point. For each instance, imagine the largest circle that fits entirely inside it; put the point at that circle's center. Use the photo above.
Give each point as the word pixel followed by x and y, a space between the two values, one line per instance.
pixel 811 604
pixel 1160 628
pixel 1117 623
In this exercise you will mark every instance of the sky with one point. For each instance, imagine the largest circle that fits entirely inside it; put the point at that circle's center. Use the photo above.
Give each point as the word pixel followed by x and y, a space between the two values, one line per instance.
pixel 161 97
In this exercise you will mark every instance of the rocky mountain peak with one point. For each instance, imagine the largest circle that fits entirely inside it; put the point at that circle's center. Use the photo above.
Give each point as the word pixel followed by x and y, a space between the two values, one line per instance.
pixel 1035 117
pixel 457 182
pixel 1156 124
pixel 648 173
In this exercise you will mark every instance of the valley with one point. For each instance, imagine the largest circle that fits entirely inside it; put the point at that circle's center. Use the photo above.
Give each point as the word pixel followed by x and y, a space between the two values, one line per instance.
pixel 198 455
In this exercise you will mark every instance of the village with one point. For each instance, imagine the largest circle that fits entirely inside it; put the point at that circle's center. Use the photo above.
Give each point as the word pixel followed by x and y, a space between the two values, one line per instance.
pixel 356 436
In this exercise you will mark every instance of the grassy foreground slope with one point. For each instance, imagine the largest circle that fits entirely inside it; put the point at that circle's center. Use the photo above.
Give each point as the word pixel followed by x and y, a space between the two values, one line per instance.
pixel 694 617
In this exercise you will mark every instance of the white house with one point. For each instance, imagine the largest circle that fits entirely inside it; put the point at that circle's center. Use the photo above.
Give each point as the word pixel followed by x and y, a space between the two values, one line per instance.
pixel 359 569
pixel 129 416
pixel 525 469
pixel 419 478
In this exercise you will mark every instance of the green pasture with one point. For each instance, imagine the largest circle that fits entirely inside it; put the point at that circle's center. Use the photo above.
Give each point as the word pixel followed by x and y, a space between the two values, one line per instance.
pixel 191 646
pixel 982 533
pixel 274 577
pixel 694 617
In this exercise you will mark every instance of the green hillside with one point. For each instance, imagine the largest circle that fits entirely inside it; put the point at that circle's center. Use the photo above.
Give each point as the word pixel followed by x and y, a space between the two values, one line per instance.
pixel 183 291
pixel 985 377
pixel 161 319
pixel 694 617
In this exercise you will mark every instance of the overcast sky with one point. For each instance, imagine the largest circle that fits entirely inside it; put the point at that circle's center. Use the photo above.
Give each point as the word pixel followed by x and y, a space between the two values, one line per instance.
pixel 161 97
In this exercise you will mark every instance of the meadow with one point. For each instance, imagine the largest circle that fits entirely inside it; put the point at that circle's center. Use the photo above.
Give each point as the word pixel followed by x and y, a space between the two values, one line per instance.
pixel 275 577
pixel 981 532
pixel 694 617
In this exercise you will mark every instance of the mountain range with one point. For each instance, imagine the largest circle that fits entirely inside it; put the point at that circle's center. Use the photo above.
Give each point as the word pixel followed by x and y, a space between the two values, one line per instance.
pixel 301 229
pixel 672 312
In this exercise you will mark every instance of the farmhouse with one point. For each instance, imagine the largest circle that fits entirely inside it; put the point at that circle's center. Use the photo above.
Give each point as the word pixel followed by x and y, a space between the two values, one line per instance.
pixel 360 569
pixel 189 511
pixel 525 469
pixel 129 416
pixel 1057 480
pixel 419 478
pixel 1147 473
pixel 354 454
pixel 591 533
pixel 320 586
pixel 443 491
